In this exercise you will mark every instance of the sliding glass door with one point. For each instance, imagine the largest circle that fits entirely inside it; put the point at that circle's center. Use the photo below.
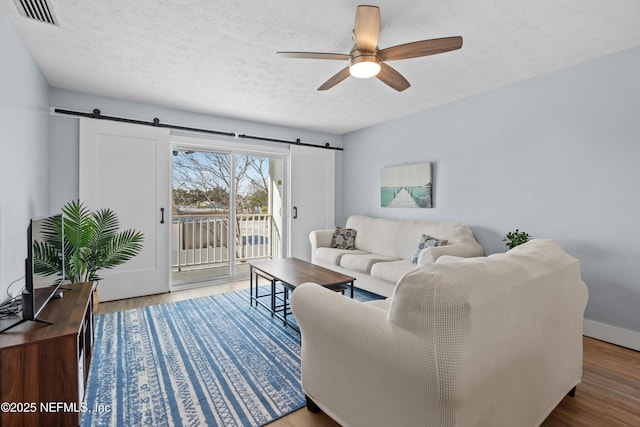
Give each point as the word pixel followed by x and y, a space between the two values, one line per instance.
pixel 222 220
pixel 258 213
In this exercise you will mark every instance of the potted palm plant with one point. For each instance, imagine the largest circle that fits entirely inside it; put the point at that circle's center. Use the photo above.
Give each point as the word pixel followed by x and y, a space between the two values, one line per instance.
pixel 92 242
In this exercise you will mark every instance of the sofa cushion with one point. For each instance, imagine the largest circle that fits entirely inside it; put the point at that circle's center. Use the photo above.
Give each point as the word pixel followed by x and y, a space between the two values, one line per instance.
pixel 333 255
pixel 427 242
pixel 392 271
pixel 344 238
pixel 362 262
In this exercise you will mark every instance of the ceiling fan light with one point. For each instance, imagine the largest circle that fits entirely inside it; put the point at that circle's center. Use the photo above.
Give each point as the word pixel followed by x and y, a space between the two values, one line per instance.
pixel 364 66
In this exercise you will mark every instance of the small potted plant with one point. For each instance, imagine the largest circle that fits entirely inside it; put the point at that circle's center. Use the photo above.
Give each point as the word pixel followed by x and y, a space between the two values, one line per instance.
pixel 515 238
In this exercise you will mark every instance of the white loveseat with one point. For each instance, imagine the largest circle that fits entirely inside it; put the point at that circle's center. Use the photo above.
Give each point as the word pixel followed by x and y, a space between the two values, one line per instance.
pixel 493 341
pixel 384 249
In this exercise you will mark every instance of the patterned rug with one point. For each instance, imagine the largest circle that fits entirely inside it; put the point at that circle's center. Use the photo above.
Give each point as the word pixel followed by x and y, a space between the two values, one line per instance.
pixel 210 361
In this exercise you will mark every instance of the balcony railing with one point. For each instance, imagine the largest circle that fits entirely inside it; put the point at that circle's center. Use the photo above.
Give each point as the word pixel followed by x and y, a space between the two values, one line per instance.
pixel 203 240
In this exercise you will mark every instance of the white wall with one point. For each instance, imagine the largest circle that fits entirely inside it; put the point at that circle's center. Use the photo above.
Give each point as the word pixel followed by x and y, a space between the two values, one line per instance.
pixel 24 165
pixel 556 156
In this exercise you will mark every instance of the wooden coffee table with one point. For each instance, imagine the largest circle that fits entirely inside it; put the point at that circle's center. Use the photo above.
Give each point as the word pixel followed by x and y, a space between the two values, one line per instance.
pixel 291 273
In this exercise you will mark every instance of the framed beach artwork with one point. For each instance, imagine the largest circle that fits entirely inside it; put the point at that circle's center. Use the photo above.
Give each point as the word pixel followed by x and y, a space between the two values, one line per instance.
pixel 406 186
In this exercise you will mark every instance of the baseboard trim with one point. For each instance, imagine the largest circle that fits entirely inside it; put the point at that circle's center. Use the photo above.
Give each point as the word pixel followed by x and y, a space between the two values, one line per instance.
pixel 612 334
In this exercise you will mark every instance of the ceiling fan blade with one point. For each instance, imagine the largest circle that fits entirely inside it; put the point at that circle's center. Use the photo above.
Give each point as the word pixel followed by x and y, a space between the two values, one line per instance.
pixel 367 28
pixel 313 55
pixel 392 78
pixel 340 76
pixel 420 48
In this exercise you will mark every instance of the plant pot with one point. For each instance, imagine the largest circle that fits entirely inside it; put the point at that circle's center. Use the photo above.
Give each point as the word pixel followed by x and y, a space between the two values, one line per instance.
pixel 96 297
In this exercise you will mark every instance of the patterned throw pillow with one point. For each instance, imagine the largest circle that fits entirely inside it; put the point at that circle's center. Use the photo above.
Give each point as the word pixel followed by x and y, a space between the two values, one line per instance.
pixel 344 238
pixel 427 242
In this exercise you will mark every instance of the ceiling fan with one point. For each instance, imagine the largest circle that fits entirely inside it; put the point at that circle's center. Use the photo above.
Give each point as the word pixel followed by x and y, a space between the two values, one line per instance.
pixel 366 60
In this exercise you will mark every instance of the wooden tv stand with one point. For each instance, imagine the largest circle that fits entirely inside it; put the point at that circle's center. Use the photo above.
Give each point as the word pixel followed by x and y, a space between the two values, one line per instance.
pixel 44 368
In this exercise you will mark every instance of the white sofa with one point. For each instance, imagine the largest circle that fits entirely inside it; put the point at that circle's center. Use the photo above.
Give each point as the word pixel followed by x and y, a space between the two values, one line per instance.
pixel 384 249
pixel 493 341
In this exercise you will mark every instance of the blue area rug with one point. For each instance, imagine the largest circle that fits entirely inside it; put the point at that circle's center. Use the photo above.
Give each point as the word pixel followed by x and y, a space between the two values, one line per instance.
pixel 210 361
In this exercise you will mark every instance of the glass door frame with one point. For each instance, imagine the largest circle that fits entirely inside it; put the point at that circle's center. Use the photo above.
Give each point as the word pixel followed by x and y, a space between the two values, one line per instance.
pixel 195 245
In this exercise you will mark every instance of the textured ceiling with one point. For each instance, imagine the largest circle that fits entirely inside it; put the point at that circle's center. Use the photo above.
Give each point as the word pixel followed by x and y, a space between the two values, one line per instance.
pixel 218 57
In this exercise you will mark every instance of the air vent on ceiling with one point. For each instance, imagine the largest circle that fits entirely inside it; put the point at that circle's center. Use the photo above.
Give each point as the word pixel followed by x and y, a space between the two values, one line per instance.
pixel 40 10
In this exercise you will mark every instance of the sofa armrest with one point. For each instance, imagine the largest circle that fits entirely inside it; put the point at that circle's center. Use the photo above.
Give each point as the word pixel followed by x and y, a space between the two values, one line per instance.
pixel 464 250
pixel 380 360
pixel 320 310
pixel 320 239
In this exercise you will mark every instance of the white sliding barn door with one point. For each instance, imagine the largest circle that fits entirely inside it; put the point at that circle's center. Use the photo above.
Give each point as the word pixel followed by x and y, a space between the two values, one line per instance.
pixel 312 196
pixel 125 167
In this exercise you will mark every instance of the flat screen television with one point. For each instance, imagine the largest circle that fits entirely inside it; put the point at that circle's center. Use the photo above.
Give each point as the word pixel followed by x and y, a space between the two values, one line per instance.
pixel 45 241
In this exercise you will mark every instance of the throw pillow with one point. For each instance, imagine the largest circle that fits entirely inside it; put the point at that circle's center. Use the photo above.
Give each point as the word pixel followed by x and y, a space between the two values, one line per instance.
pixel 344 238
pixel 427 242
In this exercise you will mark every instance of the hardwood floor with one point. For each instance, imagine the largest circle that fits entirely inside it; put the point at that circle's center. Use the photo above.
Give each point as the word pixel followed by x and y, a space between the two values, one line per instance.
pixel 131 303
pixel 610 391
pixel 609 394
